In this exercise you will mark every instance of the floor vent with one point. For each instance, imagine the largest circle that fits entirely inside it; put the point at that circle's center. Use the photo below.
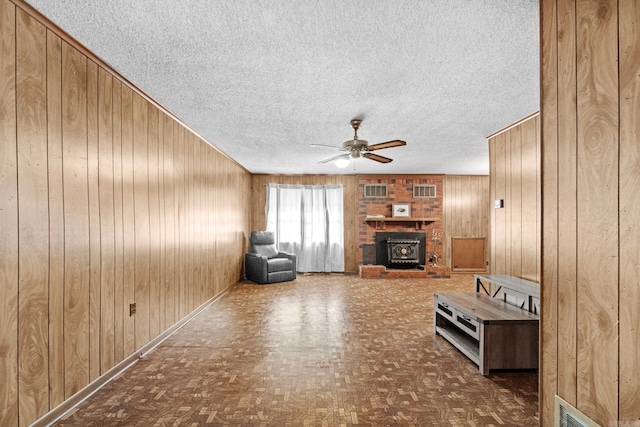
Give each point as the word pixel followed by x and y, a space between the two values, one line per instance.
pixel 568 416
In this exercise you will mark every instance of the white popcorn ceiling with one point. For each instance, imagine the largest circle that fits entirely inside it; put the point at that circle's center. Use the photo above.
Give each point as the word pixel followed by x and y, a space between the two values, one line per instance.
pixel 263 79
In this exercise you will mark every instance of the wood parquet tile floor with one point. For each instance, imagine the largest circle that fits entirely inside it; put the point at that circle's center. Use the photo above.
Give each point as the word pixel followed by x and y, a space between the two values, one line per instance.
pixel 324 350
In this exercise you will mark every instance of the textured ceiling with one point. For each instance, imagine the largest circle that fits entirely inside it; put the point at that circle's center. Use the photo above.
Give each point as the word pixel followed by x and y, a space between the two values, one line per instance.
pixel 263 79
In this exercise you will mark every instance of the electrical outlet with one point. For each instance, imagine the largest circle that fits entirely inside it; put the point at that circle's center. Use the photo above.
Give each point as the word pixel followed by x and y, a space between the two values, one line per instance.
pixel 132 309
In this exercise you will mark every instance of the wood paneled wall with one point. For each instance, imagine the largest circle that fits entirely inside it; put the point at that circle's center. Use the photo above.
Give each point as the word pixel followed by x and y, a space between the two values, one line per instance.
pixel 106 200
pixel 515 178
pixel 465 210
pixel 350 199
pixel 591 199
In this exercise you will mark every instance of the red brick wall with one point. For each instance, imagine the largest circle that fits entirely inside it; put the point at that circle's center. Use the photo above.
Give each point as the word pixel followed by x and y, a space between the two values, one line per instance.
pixel 400 190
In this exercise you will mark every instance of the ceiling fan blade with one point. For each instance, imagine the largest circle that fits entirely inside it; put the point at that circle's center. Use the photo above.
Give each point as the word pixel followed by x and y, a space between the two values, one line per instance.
pixel 388 144
pixel 330 159
pixel 324 145
pixel 377 158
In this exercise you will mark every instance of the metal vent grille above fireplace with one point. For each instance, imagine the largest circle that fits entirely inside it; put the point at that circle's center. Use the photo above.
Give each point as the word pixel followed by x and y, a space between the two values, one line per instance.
pixel 372 191
pixel 422 191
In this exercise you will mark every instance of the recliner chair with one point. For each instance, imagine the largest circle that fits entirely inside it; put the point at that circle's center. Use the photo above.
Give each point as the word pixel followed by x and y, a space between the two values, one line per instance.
pixel 264 263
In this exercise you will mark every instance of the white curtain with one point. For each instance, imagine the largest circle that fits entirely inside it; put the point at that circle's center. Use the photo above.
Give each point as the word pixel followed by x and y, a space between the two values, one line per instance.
pixel 307 220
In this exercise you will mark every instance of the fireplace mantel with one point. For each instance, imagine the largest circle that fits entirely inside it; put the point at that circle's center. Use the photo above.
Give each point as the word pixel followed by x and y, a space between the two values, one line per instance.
pixel 380 223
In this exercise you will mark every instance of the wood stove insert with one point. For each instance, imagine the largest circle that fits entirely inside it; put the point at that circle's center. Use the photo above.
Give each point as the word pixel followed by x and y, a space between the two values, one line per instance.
pixel 382 248
pixel 403 252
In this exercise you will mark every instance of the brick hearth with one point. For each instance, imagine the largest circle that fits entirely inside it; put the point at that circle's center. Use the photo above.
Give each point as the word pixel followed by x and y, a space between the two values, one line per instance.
pixel 381 272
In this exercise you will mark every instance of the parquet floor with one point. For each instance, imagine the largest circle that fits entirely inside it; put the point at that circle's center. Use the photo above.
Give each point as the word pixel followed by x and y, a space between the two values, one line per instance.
pixel 325 350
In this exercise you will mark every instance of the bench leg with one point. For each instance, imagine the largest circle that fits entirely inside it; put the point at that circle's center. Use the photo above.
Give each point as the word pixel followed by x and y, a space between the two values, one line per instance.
pixel 484 351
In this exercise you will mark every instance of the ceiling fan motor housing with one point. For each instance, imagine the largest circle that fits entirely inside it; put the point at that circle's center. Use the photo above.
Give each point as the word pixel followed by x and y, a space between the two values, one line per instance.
pixel 355 145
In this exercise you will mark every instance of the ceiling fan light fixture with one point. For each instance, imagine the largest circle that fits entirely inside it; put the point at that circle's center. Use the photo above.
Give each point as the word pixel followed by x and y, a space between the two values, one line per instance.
pixel 342 162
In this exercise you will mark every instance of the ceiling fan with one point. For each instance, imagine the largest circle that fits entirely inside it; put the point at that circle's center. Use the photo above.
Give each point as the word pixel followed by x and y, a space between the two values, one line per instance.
pixel 360 148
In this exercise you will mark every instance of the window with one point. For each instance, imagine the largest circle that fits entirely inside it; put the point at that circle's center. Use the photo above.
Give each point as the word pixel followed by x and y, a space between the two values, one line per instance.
pixel 307 220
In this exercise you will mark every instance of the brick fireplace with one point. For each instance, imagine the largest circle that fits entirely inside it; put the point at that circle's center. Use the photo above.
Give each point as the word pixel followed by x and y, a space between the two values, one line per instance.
pixel 399 189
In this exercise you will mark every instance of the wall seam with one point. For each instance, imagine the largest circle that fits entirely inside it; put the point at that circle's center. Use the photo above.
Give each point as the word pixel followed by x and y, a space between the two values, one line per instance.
pixel 17 206
pixel 618 218
pixel 575 142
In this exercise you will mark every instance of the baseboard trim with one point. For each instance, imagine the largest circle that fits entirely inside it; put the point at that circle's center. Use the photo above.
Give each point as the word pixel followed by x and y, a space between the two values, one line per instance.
pixel 74 401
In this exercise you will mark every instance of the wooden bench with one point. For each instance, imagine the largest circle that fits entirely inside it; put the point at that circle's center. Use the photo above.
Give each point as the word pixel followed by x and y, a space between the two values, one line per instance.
pixel 497 326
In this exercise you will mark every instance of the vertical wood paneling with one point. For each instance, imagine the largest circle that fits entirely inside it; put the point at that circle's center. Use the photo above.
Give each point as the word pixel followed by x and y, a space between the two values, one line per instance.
pixel 508 189
pixel 190 283
pixel 186 226
pixel 567 199
pixel 227 237
pixel 33 249
pixel 597 104
pixel 208 237
pixel 162 229
pixel 170 243
pixel 196 231
pixel 94 220
pixel 462 221
pixel 76 214
pixel 223 238
pixel 207 292
pixel 515 229
pixel 457 221
pixel 56 220
pixel 590 161
pixel 212 214
pixel 447 214
pixel 185 216
pixel 216 209
pixel 486 215
pixel 465 210
pixel 515 205
pixel 118 236
pixel 142 219
pixel 107 227
pixel 9 209
pixel 538 222
pixel 499 265
pixel 128 219
pixel 549 172
pixel 202 205
pixel 193 273
pixel 154 225
pixel 529 199
pixel 629 208
pixel 492 197
pixel 182 212
pixel 114 195
pixel 350 204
